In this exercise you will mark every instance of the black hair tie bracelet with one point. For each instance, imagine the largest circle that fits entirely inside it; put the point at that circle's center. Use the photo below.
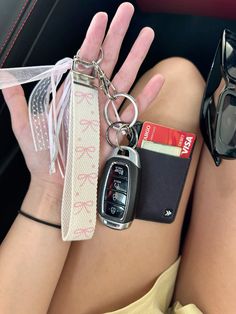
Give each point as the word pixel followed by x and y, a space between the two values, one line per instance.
pixel 39 220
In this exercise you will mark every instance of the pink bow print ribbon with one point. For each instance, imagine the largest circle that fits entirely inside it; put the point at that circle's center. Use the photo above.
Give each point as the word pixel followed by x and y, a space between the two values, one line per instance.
pixel 82 168
pixel 85 151
pixel 92 124
pixel 82 96
pixel 83 206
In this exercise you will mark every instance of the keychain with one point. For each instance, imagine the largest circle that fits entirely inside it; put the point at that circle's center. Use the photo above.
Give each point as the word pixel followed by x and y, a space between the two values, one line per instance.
pixel 120 181
pixel 69 128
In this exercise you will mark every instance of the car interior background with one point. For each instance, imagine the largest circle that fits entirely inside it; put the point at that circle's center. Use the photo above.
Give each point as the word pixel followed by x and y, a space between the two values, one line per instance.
pixel 40 32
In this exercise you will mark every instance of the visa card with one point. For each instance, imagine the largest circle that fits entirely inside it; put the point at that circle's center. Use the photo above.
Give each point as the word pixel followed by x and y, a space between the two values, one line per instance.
pixel 157 133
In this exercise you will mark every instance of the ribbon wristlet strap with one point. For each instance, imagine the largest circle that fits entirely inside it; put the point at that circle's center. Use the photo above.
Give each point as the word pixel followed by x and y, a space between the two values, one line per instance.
pixel 76 154
pixel 50 127
pixel 80 187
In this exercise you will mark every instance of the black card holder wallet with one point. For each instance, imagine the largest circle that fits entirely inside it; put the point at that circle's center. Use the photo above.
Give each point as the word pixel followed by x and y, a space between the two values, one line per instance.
pixel 162 181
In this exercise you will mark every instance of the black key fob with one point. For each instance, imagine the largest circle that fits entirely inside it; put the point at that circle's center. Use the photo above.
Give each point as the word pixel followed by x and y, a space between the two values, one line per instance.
pixel 119 188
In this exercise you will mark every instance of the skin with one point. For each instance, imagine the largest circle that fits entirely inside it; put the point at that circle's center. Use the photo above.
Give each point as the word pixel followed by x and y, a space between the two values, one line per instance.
pixel 206 276
pixel 29 252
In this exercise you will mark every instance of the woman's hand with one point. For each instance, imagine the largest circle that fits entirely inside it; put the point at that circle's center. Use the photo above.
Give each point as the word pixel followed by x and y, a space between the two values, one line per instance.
pixel 38 162
pixel 125 77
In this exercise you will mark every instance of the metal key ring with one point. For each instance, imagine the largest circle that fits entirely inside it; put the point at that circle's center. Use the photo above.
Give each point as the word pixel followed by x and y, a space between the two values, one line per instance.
pixel 133 133
pixel 123 126
pixel 88 64
pixel 113 126
pixel 133 102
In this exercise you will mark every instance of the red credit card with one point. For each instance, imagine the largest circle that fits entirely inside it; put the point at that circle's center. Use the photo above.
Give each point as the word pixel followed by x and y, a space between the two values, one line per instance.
pixel 164 135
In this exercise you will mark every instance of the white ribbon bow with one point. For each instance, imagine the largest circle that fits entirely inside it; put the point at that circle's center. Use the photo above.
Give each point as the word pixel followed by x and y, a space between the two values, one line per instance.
pixel 45 119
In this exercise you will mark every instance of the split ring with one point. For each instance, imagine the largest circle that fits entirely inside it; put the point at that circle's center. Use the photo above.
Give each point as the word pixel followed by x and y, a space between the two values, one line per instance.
pixel 133 102
pixel 124 127
pixel 132 133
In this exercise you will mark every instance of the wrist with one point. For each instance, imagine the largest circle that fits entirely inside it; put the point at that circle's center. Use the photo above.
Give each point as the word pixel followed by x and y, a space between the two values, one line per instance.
pixel 46 188
pixel 43 200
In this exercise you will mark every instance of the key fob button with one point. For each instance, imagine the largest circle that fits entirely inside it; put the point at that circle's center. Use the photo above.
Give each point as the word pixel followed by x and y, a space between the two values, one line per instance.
pixel 116 197
pixel 120 171
pixel 118 184
pixel 114 210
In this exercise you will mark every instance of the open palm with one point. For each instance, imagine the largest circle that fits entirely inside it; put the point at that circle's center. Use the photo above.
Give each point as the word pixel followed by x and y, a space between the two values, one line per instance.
pixel 38 163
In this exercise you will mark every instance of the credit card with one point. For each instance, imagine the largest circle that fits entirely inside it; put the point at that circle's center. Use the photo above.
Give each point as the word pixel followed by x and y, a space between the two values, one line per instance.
pixel 161 148
pixel 157 133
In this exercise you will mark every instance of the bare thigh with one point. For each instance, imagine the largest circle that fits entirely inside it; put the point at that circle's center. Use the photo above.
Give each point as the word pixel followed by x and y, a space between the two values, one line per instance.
pixel 208 268
pixel 116 268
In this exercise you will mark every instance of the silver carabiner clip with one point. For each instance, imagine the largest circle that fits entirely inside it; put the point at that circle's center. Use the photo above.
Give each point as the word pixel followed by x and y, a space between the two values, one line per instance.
pixel 78 61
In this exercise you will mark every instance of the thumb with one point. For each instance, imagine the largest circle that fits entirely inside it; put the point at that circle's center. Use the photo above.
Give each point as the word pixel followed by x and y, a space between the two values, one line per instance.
pixel 17 105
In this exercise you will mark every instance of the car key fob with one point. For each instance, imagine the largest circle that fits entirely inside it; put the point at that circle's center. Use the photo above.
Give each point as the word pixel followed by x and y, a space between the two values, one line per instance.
pixel 119 188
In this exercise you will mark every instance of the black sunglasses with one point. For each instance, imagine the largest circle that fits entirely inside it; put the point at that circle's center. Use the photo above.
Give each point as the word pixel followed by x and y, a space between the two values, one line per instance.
pixel 218 111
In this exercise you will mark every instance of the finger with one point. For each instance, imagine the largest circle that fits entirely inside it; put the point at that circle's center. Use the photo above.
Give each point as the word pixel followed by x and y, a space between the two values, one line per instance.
pixel 94 37
pixel 126 76
pixel 16 102
pixel 115 36
pixel 145 98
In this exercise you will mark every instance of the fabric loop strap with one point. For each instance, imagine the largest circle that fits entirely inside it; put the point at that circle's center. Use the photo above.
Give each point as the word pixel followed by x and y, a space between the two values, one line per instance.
pixel 80 188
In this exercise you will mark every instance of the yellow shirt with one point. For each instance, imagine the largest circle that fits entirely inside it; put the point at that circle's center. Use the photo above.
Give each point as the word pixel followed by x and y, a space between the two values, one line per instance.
pixel 157 300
